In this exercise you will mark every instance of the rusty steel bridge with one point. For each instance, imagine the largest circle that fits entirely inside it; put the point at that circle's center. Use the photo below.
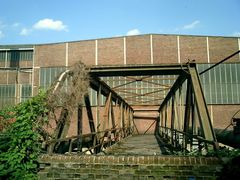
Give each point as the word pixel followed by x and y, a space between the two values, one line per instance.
pixel 181 121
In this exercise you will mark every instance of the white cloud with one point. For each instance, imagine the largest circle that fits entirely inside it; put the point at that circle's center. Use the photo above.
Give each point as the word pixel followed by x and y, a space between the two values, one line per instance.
pixel 237 34
pixel 44 24
pixel 2 25
pixel 1 34
pixel 133 32
pixel 50 24
pixel 16 24
pixel 25 32
pixel 192 25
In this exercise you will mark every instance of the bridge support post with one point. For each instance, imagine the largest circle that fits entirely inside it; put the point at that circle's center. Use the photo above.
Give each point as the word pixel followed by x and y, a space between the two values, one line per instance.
pixel 172 121
pixel 204 118
pixel 79 129
pixel 98 108
pixel 90 119
pixel 187 114
pixel 89 113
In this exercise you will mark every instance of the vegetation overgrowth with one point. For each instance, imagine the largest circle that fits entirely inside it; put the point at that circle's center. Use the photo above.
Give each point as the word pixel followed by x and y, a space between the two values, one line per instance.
pixel 20 140
pixel 25 126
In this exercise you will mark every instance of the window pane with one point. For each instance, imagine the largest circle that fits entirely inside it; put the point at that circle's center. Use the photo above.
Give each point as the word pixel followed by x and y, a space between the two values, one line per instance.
pixel 7 95
pixel 2 55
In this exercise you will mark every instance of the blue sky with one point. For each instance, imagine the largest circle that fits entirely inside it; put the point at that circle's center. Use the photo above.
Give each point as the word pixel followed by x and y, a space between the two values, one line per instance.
pixel 45 21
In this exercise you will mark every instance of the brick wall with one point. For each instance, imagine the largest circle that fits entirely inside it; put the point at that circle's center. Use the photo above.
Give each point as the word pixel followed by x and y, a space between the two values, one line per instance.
pixel 220 47
pixel 81 51
pixel 111 51
pixel 222 115
pixel 138 50
pixel 50 55
pixel 165 49
pixel 127 167
pixel 193 48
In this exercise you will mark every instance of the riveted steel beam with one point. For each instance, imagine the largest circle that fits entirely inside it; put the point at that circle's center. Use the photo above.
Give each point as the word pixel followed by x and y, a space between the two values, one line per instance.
pixel 205 121
pixel 137 70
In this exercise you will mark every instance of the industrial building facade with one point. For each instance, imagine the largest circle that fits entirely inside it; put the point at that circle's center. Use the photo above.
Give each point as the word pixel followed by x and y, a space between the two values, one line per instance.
pixel 24 69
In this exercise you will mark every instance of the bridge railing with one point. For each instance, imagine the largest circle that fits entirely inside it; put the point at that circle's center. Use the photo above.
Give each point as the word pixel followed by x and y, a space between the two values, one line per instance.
pixel 178 140
pixel 92 143
pixel 183 115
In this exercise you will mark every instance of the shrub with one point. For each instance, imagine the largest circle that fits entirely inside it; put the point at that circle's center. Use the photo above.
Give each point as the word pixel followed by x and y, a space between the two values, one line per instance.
pixel 20 141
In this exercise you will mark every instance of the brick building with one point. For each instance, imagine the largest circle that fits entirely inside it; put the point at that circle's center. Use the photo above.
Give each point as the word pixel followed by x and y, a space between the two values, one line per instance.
pixel 26 68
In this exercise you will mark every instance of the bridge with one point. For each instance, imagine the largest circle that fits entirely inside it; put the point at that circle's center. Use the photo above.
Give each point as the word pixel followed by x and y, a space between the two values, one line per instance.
pixel 174 115
pixel 174 120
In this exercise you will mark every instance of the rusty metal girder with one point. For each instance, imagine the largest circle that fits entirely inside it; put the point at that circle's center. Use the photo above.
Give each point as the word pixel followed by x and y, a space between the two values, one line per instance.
pixel 205 121
pixel 137 70
pixel 174 88
pixel 95 83
pixel 89 113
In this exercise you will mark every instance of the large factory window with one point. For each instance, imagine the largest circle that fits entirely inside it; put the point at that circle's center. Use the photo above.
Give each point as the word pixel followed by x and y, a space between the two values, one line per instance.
pixel 21 55
pixel 15 56
pixel 221 84
pixel 7 95
pixel 48 75
pixel 2 56
pixel 26 92
pixel 141 90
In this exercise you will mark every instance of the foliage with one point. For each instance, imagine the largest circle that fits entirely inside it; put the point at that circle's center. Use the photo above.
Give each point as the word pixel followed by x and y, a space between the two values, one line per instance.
pixel 224 152
pixel 221 152
pixel 6 118
pixel 231 169
pixel 20 141
pixel 24 126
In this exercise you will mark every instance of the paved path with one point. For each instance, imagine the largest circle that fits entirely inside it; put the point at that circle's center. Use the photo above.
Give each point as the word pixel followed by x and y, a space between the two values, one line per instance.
pixel 138 145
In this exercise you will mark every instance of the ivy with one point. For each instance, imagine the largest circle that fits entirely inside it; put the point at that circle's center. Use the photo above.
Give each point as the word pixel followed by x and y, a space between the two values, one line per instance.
pixel 20 141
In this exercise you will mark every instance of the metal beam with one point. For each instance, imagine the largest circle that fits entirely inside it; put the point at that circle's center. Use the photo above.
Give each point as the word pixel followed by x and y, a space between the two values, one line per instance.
pixel 181 78
pixel 89 113
pixel 187 113
pixel 172 118
pixel 61 123
pixel 79 127
pixel 79 123
pixel 137 70
pixel 204 118
pixel 95 83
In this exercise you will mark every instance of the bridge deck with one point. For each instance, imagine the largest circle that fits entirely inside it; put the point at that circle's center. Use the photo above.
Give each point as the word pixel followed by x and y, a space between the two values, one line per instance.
pixel 138 145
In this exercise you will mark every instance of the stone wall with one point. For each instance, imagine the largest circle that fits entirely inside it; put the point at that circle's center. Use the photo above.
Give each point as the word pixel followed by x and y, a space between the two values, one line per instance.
pixel 128 167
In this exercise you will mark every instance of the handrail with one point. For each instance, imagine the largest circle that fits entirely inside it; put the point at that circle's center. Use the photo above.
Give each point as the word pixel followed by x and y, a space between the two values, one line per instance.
pixel 199 138
pixel 79 136
pixel 95 140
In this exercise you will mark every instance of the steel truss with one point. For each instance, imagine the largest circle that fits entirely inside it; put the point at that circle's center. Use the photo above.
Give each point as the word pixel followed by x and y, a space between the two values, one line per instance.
pixel 106 133
pixel 183 118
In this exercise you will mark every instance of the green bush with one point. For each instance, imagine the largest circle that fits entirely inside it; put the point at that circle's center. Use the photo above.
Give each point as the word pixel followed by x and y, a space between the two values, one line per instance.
pixel 221 153
pixel 20 141
pixel 224 152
